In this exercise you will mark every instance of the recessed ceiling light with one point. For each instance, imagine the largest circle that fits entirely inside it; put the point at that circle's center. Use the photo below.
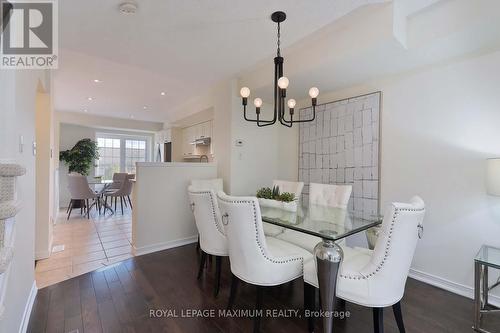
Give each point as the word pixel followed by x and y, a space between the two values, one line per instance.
pixel 97 81
pixel 162 93
pixel 85 110
pixel 131 116
pixel 90 98
pixel 145 107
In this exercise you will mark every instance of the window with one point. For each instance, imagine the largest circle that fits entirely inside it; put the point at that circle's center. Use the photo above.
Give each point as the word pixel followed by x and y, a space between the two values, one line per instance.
pixel 119 153
pixel 135 151
pixel 109 157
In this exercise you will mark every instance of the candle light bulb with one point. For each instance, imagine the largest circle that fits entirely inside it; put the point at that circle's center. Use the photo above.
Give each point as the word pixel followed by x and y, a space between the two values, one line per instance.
pixel 283 82
pixel 257 102
pixel 313 92
pixel 245 92
pixel 291 103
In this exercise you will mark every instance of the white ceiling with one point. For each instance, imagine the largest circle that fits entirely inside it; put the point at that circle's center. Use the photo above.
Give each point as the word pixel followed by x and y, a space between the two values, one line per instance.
pixel 179 47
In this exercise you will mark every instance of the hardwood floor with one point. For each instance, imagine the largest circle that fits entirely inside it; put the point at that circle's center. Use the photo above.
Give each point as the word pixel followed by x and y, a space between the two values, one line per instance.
pixel 119 298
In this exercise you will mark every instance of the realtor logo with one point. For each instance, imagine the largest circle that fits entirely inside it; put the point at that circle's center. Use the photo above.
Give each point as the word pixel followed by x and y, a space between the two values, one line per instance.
pixel 29 34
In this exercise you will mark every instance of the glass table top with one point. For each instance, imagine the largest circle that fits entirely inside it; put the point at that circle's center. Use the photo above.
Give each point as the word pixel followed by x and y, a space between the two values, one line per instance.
pixel 489 255
pixel 326 222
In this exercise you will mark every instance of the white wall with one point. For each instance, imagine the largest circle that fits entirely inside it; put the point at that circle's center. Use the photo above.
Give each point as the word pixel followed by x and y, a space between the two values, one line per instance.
pixel 267 153
pixel 17 114
pixel 44 121
pixel 438 127
pixel 162 217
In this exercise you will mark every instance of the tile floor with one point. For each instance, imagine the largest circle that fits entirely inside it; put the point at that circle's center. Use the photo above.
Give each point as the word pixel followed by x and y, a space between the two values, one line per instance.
pixel 88 245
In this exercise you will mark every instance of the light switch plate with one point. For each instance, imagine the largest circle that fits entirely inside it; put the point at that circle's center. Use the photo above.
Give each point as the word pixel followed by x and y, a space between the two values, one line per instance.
pixel 239 143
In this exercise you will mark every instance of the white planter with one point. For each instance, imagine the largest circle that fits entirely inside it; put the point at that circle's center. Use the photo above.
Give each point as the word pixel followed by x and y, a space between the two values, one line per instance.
pixel 288 206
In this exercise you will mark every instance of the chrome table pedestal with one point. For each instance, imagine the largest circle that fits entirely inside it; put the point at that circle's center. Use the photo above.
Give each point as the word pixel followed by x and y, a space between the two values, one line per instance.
pixel 328 258
pixel 488 256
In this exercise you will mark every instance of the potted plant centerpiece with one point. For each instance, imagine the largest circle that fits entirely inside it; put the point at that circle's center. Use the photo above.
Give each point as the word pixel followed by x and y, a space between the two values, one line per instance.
pixel 272 198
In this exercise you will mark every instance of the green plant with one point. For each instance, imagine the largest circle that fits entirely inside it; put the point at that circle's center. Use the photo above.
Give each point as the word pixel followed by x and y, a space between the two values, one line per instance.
pixel 264 193
pixel 286 197
pixel 81 157
pixel 274 194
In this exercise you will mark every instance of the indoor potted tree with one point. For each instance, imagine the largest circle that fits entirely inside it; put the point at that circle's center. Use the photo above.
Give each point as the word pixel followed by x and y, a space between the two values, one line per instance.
pixel 81 157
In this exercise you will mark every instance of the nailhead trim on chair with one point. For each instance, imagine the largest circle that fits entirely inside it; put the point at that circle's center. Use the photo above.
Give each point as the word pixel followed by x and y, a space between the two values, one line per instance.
pixel 379 266
pixel 257 234
pixel 219 228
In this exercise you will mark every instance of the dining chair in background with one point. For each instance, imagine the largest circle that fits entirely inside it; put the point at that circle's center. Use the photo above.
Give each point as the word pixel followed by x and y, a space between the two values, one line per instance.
pixel 210 229
pixel 284 186
pixel 256 259
pixel 320 195
pixel 80 191
pixel 377 278
pixel 123 193
pixel 291 187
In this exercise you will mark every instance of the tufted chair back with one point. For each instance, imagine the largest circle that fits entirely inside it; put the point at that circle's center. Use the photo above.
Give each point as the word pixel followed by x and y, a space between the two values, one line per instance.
pixel 208 221
pixel 291 187
pixel 386 272
pixel 329 195
pixel 250 258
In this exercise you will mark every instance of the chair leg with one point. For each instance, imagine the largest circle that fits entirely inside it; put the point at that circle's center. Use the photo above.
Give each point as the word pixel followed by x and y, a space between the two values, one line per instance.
pixel 378 320
pixel 70 202
pixel 198 244
pixel 115 203
pixel 258 307
pixel 309 305
pixel 88 210
pixel 82 205
pixel 121 203
pixel 70 208
pixel 105 204
pixel 396 308
pixel 129 201
pixel 202 264
pixel 234 290
pixel 218 264
pixel 125 201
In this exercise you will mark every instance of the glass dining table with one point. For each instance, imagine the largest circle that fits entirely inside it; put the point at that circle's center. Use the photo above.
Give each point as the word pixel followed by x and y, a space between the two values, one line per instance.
pixel 331 225
pixel 105 184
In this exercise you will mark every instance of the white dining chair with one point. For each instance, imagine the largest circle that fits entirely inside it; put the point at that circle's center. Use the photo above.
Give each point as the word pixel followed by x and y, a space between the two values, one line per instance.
pixel 256 259
pixel 291 187
pixel 377 278
pixel 211 232
pixel 320 195
pixel 216 184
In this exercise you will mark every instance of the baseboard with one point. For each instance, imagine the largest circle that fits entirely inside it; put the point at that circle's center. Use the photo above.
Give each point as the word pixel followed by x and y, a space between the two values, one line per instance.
pixel 138 251
pixel 27 309
pixel 451 286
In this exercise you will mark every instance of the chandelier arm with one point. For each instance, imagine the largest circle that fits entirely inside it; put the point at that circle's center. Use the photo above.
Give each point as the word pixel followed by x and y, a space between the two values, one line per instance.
pixel 254 120
pixel 302 120
pixel 264 123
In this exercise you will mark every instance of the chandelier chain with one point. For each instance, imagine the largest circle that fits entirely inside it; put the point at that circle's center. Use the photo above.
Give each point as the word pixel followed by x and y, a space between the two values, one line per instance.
pixel 279 35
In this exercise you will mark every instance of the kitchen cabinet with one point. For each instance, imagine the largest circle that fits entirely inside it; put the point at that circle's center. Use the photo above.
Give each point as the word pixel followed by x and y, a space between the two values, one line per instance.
pixel 192 133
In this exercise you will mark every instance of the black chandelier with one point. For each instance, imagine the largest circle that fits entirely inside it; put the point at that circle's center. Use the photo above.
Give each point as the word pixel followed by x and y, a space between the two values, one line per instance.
pixel 280 85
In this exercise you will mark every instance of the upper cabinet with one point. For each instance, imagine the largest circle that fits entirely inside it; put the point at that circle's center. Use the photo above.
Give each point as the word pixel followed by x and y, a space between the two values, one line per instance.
pixel 192 133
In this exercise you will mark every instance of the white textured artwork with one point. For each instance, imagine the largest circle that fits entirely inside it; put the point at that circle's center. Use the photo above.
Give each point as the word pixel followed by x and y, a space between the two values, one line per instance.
pixel 341 146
